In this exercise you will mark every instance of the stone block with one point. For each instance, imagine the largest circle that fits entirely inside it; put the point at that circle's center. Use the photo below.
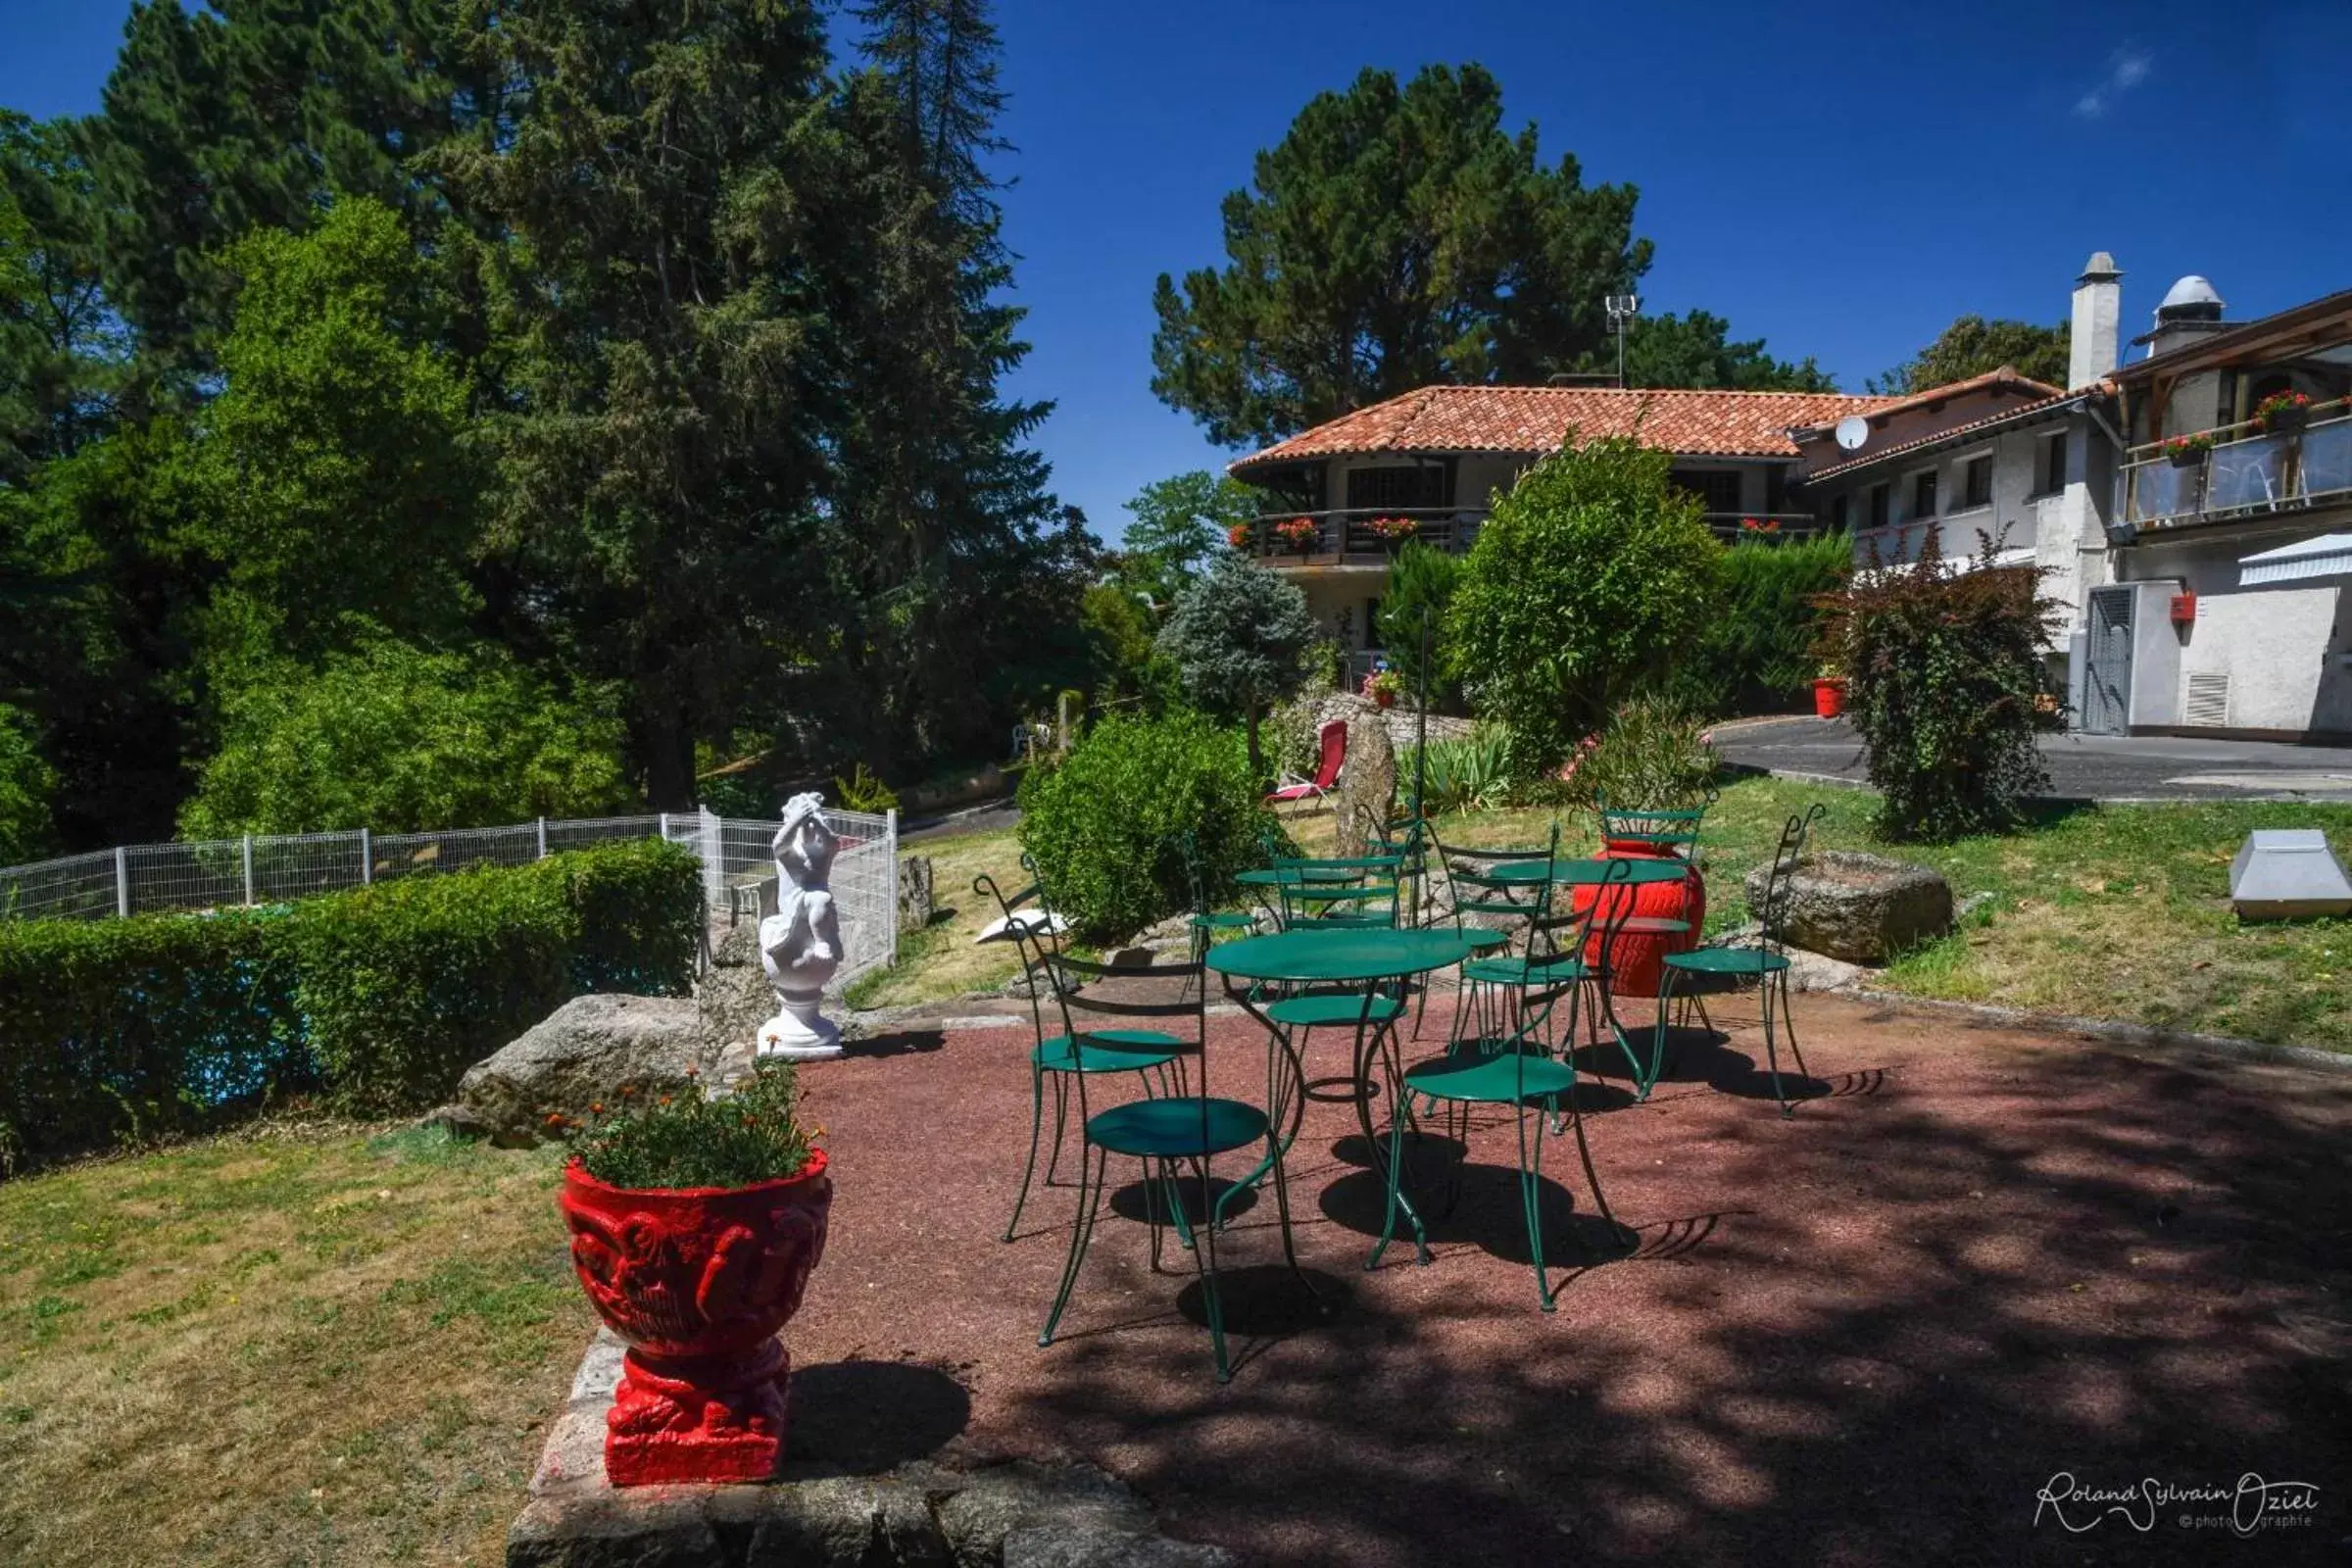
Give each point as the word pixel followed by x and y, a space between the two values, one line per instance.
pixel 1863 909
pixel 582 1054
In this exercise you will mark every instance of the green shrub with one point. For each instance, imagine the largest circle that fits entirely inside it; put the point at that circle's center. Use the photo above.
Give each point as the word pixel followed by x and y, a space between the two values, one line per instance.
pixel 1105 826
pixel 1943 676
pixel 751 1136
pixel 1468 774
pixel 1589 576
pixel 113 1030
pixel 400 739
pixel 27 783
pixel 1422 579
pixel 1651 756
pixel 406 984
pixel 1293 733
pixel 1756 654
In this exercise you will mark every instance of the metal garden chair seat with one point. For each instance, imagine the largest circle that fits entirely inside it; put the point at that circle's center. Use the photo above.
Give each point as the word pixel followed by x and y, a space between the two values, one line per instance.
pixel 1058 1058
pixel 1520 1070
pixel 1183 1132
pixel 1766 963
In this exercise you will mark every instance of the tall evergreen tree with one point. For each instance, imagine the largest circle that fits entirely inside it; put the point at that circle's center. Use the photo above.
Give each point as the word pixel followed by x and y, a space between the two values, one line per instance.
pixel 655 192
pixel 946 502
pixel 1394 238
pixel 242 113
pixel 1973 345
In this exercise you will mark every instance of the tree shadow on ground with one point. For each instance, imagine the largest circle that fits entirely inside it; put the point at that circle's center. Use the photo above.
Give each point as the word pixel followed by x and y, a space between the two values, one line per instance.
pixel 1869 1335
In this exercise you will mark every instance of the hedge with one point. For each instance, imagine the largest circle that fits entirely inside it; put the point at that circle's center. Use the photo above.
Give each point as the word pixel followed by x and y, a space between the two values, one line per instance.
pixel 122 1030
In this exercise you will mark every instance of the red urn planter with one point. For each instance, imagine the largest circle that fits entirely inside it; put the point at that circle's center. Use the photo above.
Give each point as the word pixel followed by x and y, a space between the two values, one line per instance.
pixel 1381 698
pixel 698 1280
pixel 1638 956
pixel 1829 696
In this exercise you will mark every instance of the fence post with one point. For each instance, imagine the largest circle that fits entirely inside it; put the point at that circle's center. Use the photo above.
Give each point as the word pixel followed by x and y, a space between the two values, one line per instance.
pixel 712 846
pixel 664 818
pixel 543 838
pixel 121 883
pixel 366 858
pixel 249 868
pixel 890 895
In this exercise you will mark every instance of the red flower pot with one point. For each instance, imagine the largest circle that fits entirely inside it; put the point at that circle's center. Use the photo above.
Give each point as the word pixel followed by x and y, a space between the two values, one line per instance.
pixel 1384 699
pixel 698 1280
pixel 1829 696
pixel 1637 957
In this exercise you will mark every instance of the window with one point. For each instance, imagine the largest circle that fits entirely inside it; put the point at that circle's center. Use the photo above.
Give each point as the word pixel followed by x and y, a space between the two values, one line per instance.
pixel 1976 482
pixel 1841 507
pixel 1881 505
pixel 1717 491
pixel 2053 464
pixel 1923 494
pixel 1419 485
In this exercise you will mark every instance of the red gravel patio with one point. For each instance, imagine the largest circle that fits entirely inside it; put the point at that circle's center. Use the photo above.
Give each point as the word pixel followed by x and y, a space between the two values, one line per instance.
pixel 1869 1334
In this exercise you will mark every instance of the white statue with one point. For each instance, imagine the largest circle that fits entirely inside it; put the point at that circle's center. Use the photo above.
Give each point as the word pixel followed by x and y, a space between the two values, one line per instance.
pixel 800 945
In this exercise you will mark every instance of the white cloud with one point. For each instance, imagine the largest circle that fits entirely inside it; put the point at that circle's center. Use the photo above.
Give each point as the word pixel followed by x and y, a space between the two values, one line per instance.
pixel 2127 69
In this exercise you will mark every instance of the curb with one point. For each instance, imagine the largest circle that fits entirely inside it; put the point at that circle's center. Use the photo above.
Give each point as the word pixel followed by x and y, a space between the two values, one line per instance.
pixel 2112 1031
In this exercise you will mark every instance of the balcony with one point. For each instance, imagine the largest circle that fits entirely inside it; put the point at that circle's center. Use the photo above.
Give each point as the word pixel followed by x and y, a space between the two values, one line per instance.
pixel 2247 474
pixel 1370 537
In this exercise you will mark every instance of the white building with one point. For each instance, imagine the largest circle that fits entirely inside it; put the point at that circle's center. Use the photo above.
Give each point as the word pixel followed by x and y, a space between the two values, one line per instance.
pixel 2200 597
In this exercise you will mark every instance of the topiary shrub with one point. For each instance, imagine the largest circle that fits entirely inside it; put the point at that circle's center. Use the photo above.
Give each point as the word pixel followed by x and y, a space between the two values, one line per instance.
pixel 1105 826
pixel 406 984
pixel 123 1030
pixel 1756 654
pixel 1944 674
pixel 115 1030
pixel 1591 574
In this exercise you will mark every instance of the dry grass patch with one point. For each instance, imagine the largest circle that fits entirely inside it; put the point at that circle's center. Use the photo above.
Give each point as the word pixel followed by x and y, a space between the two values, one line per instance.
pixel 333 1347
pixel 942 960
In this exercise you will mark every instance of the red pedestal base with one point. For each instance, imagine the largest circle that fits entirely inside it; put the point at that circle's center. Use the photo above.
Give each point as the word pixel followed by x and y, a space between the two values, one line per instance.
pixel 1638 956
pixel 697 1281
pixel 706 1420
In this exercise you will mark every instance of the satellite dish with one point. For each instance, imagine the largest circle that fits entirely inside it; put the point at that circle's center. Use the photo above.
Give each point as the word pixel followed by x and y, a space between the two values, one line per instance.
pixel 1852 431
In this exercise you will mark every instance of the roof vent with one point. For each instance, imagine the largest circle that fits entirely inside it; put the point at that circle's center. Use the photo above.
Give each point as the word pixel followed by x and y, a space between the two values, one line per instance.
pixel 2192 299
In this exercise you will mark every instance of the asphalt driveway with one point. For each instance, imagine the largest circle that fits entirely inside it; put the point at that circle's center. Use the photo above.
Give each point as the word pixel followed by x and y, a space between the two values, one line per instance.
pixel 2103 767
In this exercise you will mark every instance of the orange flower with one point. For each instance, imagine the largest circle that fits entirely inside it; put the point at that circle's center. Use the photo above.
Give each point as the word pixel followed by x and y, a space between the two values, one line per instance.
pixel 596 1108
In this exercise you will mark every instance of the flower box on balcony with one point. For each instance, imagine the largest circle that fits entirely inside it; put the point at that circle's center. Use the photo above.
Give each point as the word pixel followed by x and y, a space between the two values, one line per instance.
pixel 2188 450
pixel 2283 413
pixel 1298 535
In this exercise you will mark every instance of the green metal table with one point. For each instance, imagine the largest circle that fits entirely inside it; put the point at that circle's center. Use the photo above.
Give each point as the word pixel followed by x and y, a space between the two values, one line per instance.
pixel 1342 878
pixel 1366 957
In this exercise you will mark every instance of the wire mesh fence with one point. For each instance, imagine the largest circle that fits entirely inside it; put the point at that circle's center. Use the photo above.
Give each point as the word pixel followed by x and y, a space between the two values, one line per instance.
pixel 738 871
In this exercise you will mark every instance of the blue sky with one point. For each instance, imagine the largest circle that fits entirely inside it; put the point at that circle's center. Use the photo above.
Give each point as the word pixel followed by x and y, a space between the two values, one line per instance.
pixel 1839 179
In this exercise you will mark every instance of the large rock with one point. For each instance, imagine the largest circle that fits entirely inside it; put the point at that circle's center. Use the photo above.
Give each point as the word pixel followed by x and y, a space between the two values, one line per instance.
pixel 1864 909
pixel 584 1054
pixel 734 997
pixel 916 902
pixel 1368 782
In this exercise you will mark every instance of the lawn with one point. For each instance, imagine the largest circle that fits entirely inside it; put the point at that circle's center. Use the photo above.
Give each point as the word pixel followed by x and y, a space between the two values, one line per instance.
pixel 2111 911
pixel 942 959
pixel 298 1345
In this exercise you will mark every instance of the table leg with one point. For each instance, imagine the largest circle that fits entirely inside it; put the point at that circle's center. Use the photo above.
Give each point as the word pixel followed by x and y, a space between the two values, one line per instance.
pixel 1386 1157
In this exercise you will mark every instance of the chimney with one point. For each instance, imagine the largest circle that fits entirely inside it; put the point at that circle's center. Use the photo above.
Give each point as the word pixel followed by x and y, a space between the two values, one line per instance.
pixel 2190 310
pixel 2096 334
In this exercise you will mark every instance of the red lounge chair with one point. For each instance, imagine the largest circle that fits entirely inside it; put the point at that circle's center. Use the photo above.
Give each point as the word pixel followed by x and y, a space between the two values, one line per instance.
pixel 1334 739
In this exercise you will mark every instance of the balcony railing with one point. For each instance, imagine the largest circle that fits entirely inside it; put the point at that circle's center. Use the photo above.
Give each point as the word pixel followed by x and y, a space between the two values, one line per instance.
pixel 1369 536
pixel 1353 536
pixel 2257 471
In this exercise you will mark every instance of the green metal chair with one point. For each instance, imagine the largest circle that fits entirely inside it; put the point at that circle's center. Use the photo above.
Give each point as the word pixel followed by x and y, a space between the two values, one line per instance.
pixel 1766 962
pixel 1307 896
pixel 1478 898
pixel 1520 1070
pixel 1674 830
pixel 1060 1058
pixel 1171 1136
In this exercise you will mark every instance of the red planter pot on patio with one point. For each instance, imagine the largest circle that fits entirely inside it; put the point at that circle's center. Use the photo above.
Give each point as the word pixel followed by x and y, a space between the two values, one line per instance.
pixel 1829 696
pixel 698 1280
pixel 1641 955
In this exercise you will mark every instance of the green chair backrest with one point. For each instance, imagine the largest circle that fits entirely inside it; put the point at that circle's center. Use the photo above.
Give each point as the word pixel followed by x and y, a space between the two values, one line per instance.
pixel 1773 918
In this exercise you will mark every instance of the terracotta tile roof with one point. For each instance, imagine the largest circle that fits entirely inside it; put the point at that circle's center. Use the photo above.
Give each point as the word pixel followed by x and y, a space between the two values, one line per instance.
pixel 1536 418
pixel 2005 375
pixel 1961 432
